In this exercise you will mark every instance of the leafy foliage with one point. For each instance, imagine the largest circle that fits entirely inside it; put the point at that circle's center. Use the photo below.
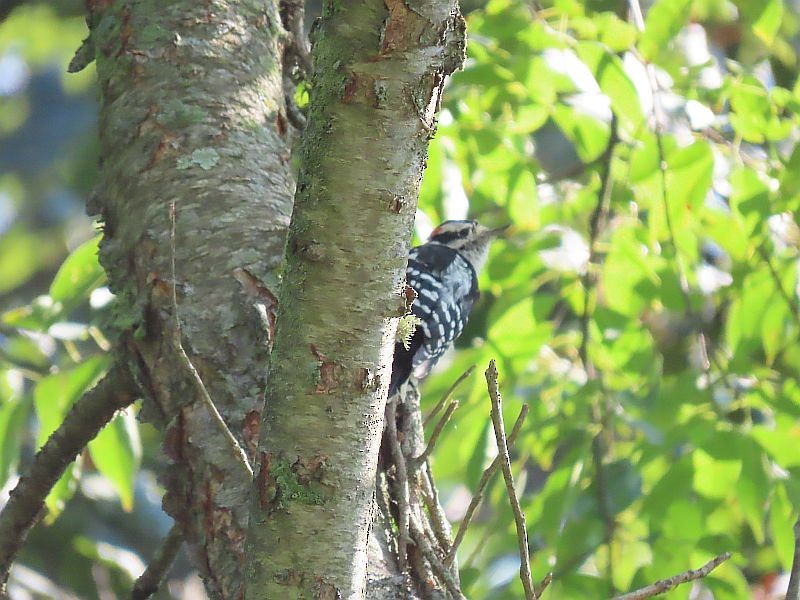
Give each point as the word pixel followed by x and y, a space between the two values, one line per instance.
pixel 676 438
pixel 645 305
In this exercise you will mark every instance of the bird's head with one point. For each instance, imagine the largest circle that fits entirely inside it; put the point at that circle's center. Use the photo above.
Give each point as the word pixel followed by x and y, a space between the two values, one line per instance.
pixel 469 238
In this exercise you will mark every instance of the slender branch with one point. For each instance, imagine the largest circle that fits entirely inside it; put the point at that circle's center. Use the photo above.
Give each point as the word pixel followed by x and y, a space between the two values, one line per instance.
pixel 596 223
pixel 791 303
pixel 658 128
pixel 187 363
pixel 294 17
pixel 436 563
pixel 400 481
pixel 597 220
pixel 793 593
pixel 447 395
pixel 502 447
pixel 149 581
pixel 665 585
pixel 84 420
pixel 436 514
pixel 544 584
pixel 437 431
pixel 484 481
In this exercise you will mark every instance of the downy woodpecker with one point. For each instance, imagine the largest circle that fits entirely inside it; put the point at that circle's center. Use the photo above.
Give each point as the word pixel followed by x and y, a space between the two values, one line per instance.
pixel 444 274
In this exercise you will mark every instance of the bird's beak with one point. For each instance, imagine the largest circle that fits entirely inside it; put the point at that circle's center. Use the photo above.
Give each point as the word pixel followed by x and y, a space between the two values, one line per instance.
pixel 498 231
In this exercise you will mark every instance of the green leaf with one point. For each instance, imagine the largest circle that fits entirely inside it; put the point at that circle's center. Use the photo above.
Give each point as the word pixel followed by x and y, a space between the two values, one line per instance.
pixel 614 82
pixel 55 394
pixel 690 169
pixel 781 522
pixel 714 478
pixel 13 414
pixel 664 20
pixel 780 441
pixel 78 275
pixel 750 199
pixel 751 110
pixel 62 491
pixel 117 453
pixel 765 16
pixel 14 244
pixel 615 33
pixel 589 134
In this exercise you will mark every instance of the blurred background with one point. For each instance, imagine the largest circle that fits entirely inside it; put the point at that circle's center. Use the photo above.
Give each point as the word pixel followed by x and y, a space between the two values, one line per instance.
pixel 645 306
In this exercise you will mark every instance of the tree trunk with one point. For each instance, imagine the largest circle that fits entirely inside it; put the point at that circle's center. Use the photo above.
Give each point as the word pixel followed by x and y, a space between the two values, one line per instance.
pixel 192 115
pixel 379 69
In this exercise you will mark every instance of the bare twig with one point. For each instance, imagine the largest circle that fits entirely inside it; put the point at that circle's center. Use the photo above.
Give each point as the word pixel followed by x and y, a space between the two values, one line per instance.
pixel 484 481
pixel 154 574
pixel 86 417
pixel 294 17
pixel 544 584
pixel 430 497
pixel 665 585
pixel 793 592
pixel 447 395
pixel 502 447
pixel 438 566
pixel 400 481
pixel 437 431
pixel 297 51
pixel 187 363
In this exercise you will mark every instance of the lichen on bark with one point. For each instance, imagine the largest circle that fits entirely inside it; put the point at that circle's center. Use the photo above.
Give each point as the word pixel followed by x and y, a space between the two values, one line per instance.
pixel 191 101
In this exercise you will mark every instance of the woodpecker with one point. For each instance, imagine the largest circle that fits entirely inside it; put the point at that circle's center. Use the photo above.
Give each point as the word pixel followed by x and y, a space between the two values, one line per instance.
pixel 444 274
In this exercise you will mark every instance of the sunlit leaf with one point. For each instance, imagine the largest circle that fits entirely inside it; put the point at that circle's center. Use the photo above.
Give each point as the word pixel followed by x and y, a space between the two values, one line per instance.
pixel 664 20
pixel 117 452
pixel 79 275
pixel 55 394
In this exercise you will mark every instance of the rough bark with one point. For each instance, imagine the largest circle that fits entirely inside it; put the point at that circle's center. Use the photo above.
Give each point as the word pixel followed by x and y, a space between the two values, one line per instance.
pixel 379 70
pixel 192 114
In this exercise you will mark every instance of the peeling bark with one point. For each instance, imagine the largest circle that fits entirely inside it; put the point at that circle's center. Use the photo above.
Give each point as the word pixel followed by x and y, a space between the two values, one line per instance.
pixel 192 112
pixel 379 70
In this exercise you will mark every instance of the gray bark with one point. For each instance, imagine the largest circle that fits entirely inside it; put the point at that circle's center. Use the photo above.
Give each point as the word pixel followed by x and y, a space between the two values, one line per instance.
pixel 379 72
pixel 192 113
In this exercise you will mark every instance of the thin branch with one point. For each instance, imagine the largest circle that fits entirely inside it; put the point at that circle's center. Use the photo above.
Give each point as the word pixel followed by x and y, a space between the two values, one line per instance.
pixel 502 447
pixel 294 17
pixel 447 395
pixel 400 481
pixel 436 563
pixel 597 221
pixel 658 128
pixel 793 593
pixel 87 416
pixel 544 584
pixel 438 519
pixel 437 431
pixel 484 481
pixel 187 363
pixel 297 51
pixel 149 581
pixel 596 224
pixel 665 585
pixel 791 303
